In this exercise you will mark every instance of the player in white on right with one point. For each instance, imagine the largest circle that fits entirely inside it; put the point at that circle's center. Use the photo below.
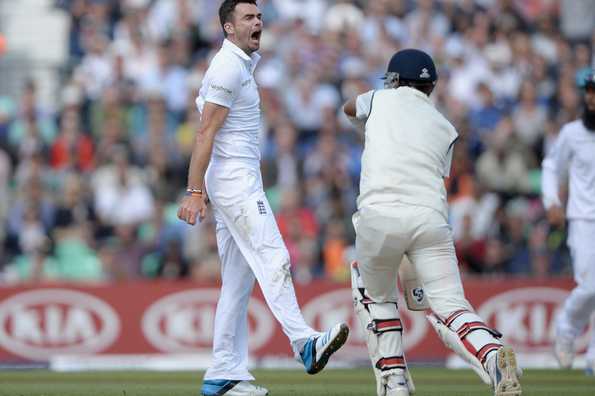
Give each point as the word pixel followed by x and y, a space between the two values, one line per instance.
pixel 402 211
pixel 572 160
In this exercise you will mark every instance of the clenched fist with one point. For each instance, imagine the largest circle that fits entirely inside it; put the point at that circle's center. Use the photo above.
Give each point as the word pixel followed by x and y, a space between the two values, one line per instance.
pixel 193 207
pixel 556 216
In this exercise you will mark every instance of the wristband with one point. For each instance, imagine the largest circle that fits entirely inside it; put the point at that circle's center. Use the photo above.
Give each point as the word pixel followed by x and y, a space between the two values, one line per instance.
pixel 195 192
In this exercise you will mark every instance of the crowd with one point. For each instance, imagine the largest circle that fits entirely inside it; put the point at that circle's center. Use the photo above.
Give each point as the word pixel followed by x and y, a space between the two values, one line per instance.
pixel 89 187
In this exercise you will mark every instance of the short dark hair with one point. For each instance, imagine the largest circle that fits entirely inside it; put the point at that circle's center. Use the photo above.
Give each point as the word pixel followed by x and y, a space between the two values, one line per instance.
pixel 424 87
pixel 226 11
pixel 392 80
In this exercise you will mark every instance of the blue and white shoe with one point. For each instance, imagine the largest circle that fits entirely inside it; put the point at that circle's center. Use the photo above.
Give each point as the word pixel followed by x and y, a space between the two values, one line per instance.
pixel 220 387
pixel 505 373
pixel 318 349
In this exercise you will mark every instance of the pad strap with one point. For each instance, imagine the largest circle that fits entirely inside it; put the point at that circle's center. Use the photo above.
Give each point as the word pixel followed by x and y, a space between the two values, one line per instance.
pixel 453 316
pixel 390 363
pixel 379 326
pixel 485 350
pixel 365 299
pixel 472 326
pixel 469 327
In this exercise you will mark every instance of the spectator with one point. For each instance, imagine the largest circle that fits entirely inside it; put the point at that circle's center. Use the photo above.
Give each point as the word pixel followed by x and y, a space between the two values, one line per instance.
pixel 577 18
pixel 295 221
pixel 474 214
pixel 6 115
pixel 5 173
pixel 32 211
pixel 529 117
pixel 307 264
pixel 501 168
pixel 515 238
pixel 311 99
pixel 167 78
pixel 334 245
pixel 203 255
pixel 127 253
pixel 33 129
pixel 485 117
pixel 283 163
pixel 95 71
pixel 121 195
pixel 72 149
pixel 73 234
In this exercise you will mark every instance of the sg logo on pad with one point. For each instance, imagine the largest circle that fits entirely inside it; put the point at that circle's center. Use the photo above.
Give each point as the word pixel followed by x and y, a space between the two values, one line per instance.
pixel 418 294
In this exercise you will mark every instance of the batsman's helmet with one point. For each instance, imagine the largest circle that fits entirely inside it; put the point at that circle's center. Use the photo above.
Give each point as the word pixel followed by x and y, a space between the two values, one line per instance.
pixel 412 65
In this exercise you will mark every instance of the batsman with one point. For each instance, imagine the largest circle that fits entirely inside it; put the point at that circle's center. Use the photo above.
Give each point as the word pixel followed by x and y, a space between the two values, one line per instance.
pixel 402 212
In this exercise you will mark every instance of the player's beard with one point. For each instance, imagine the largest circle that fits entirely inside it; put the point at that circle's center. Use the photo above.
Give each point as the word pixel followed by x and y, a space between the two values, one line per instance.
pixel 589 119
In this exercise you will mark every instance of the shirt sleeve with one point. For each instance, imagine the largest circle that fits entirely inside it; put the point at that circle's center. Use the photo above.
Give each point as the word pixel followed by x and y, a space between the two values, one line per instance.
pixel 223 85
pixel 448 165
pixel 363 105
pixel 449 155
pixel 554 171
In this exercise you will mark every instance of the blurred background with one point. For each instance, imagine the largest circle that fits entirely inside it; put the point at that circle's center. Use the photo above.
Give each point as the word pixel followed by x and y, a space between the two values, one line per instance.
pixel 97 121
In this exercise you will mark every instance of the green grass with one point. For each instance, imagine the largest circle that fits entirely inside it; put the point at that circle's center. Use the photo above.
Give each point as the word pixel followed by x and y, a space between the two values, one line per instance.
pixel 429 381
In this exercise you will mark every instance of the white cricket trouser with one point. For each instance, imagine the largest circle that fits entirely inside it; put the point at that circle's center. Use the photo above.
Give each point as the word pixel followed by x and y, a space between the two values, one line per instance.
pixel 384 234
pixel 580 304
pixel 250 247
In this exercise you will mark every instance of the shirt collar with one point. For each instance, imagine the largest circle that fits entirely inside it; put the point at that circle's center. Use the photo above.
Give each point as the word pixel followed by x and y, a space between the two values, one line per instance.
pixel 251 60
pixel 415 92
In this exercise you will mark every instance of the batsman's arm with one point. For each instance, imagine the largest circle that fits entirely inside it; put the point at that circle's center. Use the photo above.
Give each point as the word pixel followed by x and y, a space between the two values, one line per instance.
pixel 349 108
pixel 358 109
pixel 194 205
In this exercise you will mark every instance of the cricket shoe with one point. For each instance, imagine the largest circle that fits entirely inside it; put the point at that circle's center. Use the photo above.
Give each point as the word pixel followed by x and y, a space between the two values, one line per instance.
pixel 590 368
pixel 319 348
pixel 505 373
pixel 396 385
pixel 220 387
pixel 564 352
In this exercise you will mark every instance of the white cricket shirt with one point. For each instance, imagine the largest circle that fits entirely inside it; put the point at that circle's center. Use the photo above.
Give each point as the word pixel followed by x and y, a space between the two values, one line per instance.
pixel 407 151
pixel 229 81
pixel 571 158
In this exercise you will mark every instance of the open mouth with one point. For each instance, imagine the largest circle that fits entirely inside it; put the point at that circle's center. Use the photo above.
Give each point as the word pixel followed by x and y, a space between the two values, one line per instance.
pixel 256 35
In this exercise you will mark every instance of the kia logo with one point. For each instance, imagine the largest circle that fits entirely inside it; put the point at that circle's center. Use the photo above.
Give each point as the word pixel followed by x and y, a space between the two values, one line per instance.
pixel 42 323
pixel 333 307
pixel 526 317
pixel 184 321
